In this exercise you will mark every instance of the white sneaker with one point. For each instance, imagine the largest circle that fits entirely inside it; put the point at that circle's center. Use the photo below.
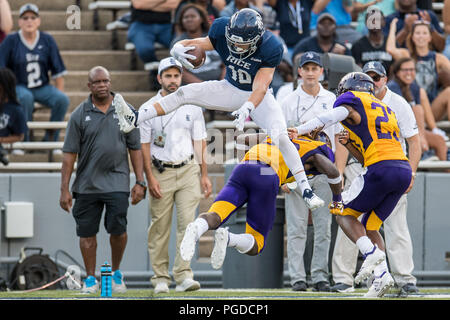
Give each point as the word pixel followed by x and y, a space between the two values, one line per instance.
pixel 161 287
pixel 371 261
pixel 18 152
pixel 57 152
pixel 220 248
pixel 90 285
pixel 188 285
pixel 127 116
pixel 187 246
pixel 118 285
pixel 380 286
pixel 312 201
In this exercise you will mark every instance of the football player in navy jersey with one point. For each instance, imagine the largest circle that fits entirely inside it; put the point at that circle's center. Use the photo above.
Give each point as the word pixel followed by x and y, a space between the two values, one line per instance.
pixel 250 55
pixel 31 54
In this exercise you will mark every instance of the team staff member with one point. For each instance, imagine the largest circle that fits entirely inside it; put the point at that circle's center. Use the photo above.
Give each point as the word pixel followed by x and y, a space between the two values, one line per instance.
pixel 398 240
pixel 102 177
pixel 169 142
pixel 307 101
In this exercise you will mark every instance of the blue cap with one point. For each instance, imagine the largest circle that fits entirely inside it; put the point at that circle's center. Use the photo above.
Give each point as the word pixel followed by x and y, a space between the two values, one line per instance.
pixel 310 56
pixel 374 66
pixel 28 7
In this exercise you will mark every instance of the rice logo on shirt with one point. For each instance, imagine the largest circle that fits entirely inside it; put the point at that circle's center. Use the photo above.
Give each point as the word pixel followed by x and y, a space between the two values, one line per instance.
pixel 4 120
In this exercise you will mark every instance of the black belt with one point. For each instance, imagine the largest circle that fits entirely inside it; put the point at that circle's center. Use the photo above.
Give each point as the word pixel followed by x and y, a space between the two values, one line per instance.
pixel 179 165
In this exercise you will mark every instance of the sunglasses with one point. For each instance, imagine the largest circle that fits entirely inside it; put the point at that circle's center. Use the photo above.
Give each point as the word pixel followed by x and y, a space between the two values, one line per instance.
pixel 376 77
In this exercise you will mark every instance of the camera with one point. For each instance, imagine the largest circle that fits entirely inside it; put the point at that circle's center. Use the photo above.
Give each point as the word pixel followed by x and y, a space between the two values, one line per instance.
pixel 158 165
pixel 3 158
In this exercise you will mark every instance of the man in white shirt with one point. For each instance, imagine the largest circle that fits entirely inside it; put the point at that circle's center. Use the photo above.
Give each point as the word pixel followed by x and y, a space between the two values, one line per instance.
pixel 170 143
pixel 301 105
pixel 397 237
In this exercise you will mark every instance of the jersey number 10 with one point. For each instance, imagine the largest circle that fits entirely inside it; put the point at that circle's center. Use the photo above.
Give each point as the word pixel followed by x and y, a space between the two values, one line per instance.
pixel 239 75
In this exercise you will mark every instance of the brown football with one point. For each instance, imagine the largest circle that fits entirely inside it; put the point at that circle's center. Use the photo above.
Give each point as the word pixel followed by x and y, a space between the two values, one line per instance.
pixel 200 54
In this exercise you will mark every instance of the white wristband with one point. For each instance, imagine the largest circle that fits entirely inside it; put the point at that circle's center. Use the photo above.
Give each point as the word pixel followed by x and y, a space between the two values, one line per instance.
pixel 335 180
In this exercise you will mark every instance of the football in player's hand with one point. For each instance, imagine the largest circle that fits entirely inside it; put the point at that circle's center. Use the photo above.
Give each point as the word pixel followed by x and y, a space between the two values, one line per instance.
pixel 200 56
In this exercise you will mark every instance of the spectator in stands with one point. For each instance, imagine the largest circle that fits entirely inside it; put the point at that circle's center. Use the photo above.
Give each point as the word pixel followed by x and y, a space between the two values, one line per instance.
pixel 102 180
pixel 406 14
pixel 170 142
pixel 151 21
pixel 32 54
pixel 360 9
pixel 12 119
pixel 293 17
pixel 372 47
pixel 340 9
pixel 432 68
pixel 324 41
pixel 404 84
pixel 446 20
pixel 6 21
pixel 193 23
pixel 209 6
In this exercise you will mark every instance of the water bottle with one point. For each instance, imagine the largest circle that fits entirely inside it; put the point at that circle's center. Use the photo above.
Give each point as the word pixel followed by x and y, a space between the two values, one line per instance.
pixel 106 280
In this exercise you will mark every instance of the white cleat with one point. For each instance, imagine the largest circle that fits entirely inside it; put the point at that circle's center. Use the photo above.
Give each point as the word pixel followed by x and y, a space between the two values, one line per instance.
pixel 380 286
pixel 187 246
pixel 371 261
pixel 220 248
pixel 312 201
pixel 127 116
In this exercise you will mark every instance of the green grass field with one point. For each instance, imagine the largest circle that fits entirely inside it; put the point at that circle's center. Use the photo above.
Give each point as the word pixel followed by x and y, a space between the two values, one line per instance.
pixel 220 294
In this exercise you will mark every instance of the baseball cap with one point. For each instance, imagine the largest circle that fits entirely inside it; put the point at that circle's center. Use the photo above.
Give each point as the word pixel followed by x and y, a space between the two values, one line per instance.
pixel 326 15
pixel 310 56
pixel 167 63
pixel 28 7
pixel 374 66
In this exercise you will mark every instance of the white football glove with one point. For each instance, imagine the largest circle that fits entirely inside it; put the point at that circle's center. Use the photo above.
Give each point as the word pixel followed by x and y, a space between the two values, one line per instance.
pixel 241 114
pixel 178 51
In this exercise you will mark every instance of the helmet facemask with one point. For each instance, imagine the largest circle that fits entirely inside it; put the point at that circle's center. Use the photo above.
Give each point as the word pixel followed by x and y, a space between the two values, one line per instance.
pixel 235 44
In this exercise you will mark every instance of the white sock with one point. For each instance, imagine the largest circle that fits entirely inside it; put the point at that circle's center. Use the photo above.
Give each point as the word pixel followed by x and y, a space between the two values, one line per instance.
pixel 202 226
pixel 364 244
pixel 302 181
pixel 293 161
pixel 243 242
pixel 146 112
pixel 379 269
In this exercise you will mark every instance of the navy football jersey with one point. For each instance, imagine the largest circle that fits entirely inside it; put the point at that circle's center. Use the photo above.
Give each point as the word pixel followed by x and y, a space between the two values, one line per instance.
pixel 12 120
pixel 32 63
pixel 241 73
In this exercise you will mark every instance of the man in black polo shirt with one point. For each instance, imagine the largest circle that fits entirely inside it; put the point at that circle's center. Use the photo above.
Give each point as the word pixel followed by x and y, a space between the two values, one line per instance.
pixel 102 177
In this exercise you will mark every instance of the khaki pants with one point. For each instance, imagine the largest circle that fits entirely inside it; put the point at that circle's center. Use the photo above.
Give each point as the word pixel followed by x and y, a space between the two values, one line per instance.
pixel 179 187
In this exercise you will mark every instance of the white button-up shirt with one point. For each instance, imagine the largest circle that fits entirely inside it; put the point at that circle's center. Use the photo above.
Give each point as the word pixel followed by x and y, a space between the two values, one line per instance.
pixel 299 107
pixel 404 114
